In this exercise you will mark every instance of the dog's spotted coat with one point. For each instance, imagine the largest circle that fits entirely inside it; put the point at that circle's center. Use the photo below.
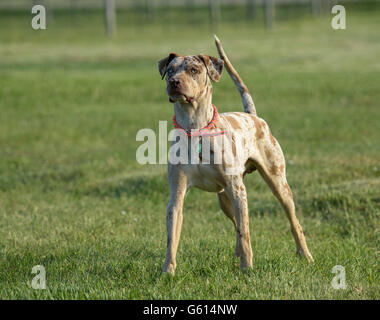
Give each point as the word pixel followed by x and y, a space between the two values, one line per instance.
pixel 250 142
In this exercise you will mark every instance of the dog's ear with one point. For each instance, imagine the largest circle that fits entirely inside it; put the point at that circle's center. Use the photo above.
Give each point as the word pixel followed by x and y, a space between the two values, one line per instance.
pixel 163 63
pixel 213 65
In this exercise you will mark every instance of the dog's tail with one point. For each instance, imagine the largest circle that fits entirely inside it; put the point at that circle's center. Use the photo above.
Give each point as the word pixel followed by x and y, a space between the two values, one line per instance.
pixel 246 98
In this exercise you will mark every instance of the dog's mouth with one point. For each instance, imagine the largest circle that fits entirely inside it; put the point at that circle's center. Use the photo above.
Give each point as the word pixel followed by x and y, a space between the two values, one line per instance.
pixel 180 97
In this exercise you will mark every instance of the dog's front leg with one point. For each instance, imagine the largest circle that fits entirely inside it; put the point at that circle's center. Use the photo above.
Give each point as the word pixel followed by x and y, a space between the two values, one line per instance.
pixel 237 192
pixel 178 187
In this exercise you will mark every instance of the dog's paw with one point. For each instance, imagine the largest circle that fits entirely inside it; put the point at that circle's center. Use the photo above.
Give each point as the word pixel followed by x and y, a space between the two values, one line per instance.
pixel 169 270
pixel 307 255
pixel 245 265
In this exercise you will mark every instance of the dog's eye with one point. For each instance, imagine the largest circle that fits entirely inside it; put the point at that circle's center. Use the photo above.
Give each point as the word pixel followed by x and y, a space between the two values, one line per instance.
pixel 193 70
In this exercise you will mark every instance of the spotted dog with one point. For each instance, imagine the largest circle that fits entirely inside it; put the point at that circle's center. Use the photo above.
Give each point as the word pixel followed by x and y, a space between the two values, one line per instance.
pixel 189 87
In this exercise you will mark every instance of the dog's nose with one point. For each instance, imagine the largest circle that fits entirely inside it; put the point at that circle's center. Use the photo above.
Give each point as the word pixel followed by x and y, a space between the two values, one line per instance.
pixel 174 82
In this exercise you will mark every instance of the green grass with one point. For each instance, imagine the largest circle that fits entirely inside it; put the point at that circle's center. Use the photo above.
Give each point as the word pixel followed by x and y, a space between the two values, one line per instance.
pixel 71 103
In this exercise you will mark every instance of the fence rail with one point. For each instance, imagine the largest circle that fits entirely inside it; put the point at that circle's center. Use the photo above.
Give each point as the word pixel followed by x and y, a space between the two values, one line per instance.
pixel 152 6
pixel 93 4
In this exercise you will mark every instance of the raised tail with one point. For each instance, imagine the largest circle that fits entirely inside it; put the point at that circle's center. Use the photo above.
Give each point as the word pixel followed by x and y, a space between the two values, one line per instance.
pixel 246 98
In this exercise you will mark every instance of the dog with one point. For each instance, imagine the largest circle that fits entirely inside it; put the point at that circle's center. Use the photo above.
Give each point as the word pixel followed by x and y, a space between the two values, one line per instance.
pixel 188 85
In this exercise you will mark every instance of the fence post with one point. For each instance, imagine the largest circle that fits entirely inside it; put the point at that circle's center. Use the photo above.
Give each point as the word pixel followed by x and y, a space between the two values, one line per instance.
pixel 327 5
pixel 316 7
pixel 214 7
pixel 110 17
pixel 149 9
pixel 251 9
pixel 269 13
pixel 190 9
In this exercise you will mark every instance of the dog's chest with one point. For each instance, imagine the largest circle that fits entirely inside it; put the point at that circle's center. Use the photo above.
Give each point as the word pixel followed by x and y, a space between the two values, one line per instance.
pixel 207 177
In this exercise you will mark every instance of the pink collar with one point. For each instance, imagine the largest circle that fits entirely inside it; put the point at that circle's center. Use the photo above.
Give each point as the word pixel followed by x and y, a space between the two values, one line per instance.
pixel 203 131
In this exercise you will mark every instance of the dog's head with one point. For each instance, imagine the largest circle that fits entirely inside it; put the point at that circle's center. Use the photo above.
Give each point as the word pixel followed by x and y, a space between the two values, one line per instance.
pixel 187 76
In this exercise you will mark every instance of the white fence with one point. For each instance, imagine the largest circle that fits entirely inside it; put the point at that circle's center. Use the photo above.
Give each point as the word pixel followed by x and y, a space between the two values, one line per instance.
pixel 214 6
pixel 92 4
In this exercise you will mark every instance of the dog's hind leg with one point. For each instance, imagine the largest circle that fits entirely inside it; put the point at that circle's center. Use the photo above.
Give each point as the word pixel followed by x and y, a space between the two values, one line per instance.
pixel 178 188
pixel 272 169
pixel 227 207
pixel 237 193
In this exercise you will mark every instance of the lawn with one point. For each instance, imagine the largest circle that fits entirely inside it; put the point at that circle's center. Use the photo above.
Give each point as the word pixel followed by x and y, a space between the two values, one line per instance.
pixel 74 199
